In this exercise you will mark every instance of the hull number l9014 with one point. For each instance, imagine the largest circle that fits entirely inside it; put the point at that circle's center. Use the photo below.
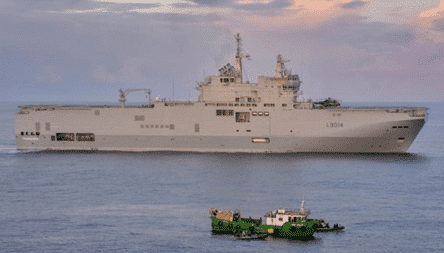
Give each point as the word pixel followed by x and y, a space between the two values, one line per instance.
pixel 334 124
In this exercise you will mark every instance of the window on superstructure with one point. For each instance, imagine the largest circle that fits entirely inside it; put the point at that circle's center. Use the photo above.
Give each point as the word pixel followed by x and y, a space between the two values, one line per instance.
pixel 249 99
pixel 268 105
pixel 65 136
pixel 254 113
pixel 266 114
pixel 48 126
pixel 225 80
pixel 172 126
pixel 196 128
pixel 37 133
pixel 284 105
pixel 242 117
pixel 237 99
pixel 139 117
pixel 224 112
pixel 52 138
pixel 85 137
pixel 232 80
pixel 37 126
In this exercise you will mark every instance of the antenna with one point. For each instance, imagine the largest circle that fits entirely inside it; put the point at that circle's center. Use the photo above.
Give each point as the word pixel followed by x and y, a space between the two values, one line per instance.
pixel 239 57
pixel 173 90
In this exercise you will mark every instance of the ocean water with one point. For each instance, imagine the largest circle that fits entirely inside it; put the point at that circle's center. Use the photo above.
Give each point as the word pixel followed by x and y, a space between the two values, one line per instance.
pixel 158 201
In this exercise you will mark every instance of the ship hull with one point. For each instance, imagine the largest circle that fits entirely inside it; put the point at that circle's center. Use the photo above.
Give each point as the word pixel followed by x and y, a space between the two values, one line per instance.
pixel 282 132
pixel 228 144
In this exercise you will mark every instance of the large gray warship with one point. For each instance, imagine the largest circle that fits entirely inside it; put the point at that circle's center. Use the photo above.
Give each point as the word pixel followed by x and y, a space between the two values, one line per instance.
pixel 229 116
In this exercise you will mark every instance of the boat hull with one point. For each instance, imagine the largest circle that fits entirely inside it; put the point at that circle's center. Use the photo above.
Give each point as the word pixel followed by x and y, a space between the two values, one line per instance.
pixel 288 230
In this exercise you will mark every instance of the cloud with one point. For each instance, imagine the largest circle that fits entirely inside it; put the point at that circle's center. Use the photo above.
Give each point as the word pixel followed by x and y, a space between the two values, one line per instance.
pixel 337 50
pixel 353 5
pixel 213 2
pixel 434 12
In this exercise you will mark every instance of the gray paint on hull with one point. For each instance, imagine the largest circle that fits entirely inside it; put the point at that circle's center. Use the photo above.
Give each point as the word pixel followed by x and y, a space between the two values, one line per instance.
pixel 385 140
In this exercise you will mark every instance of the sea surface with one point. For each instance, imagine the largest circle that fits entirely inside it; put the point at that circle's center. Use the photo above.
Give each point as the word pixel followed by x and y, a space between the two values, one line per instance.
pixel 158 201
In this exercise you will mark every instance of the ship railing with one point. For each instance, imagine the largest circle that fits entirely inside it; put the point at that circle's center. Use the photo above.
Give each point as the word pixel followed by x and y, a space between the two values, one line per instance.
pixel 416 110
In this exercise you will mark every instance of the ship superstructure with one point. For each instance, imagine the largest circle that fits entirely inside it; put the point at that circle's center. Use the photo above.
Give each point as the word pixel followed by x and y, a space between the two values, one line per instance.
pixel 229 116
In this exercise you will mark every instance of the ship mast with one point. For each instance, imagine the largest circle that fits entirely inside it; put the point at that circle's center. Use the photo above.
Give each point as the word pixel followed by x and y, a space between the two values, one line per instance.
pixel 280 68
pixel 239 57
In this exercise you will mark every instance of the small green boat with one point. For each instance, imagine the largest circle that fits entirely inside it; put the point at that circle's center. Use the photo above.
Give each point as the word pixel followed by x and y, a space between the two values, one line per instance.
pixel 283 223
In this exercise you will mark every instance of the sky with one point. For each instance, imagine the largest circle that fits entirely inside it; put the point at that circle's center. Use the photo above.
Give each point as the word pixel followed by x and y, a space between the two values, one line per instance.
pixel 351 50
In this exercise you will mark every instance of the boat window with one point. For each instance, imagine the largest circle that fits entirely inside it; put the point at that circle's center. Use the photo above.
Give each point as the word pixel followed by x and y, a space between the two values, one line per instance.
pixel 167 126
pixel 242 117
pixel 26 133
pixel 141 126
pixel 281 219
pixel 268 105
pixel 37 126
pixel 157 126
pixel 65 136
pixel 242 104
pixel 147 126
pixel 260 113
pixel 85 137
pixel 32 133
pixel 48 126
pixel 172 126
pixel 266 113
pixel 161 126
pixel 221 80
pixel 22 133
pixel 254 105
pixel 196 128
pixel 52 138
pixel 236 104
pixel 232 80
pixel 152 126
pixel 237 99
pixel 284 105
pixel 230 104
pixel 254 113
pixel 225 80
